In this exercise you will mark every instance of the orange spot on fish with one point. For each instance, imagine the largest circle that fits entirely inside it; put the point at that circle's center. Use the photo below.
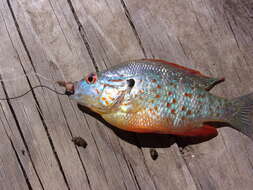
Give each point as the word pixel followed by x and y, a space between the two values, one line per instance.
pixel 189 112
pixel 158 86
pixel 155 108
pixel 106 102
pixel 111 98
pixel 183 108
pixel 168 105
pixel 188 95
pixel 169 93
pixel 154 80
pixel 173 111
pixel 174 101
pixel 157 96
pixel 103 98
pixel 151 110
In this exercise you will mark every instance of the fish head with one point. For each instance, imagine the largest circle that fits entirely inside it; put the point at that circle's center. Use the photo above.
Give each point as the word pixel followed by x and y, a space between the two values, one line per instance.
pixel 100 92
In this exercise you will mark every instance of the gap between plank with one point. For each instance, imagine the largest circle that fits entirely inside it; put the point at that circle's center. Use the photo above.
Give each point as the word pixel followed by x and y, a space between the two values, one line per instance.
pixel 83 35
pixel 78 153
pixel 133 27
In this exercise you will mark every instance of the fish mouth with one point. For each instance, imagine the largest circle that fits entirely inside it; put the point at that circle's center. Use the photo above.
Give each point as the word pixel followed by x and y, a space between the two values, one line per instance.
pixel 71 90
pixel 69 87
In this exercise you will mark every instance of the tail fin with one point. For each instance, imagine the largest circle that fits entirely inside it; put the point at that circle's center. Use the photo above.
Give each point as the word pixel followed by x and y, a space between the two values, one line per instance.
pixel 240 114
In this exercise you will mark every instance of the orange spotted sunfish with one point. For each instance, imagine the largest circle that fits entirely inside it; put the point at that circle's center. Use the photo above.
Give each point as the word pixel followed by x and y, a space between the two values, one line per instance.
pixel 155 96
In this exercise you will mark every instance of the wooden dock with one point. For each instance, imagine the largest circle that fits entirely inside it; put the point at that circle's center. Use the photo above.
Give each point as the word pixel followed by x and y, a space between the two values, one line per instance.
pixel 65 39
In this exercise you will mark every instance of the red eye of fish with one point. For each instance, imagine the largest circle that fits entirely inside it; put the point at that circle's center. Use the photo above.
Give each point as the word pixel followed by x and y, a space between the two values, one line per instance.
pixel 91 78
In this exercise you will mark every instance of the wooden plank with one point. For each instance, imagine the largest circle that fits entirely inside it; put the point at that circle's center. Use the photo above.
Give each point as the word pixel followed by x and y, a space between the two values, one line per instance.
pixel 98 23
pixel 215 37
pixel 65 39
pixel 50 107
pixel 59 111
pixel 22 142
pixel 18 144
pixel 114 165
pixel 26 112
pixel 11 174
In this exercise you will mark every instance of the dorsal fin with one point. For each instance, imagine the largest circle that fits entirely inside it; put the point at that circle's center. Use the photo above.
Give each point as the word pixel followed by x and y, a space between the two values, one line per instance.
pixel 204 81
pixel 189 70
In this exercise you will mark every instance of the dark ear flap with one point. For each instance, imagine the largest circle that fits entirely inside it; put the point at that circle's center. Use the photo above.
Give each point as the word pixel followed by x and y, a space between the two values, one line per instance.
pixel 130 83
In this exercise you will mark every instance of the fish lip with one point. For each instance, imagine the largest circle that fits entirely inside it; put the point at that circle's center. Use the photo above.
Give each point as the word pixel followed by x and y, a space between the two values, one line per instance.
pixel 69 87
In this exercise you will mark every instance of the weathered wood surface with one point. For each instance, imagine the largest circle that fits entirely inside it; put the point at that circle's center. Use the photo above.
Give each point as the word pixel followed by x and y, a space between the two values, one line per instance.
pixel 68 38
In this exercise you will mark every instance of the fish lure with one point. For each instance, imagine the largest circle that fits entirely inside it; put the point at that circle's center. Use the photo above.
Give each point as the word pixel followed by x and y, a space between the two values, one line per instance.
pixel 155 96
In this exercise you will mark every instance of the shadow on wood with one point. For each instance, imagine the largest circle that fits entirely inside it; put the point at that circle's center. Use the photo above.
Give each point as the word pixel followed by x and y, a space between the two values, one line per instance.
pixel 148 140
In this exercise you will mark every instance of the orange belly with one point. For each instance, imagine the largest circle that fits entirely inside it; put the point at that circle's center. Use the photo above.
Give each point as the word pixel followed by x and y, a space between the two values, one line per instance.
pixel 143 123
pixel 139 122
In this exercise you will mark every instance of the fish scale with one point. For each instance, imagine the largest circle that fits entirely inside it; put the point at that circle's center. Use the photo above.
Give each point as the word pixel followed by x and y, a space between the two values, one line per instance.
pixel 155 96
pixel 171 97
pixel 152 93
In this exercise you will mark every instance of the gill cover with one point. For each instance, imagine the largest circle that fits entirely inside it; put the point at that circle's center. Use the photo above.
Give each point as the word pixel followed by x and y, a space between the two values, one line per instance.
pixel 114 92
pixel 101 93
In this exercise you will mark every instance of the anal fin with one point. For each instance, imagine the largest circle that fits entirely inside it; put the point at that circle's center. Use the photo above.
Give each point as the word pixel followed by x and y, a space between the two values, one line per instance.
pixel 206 131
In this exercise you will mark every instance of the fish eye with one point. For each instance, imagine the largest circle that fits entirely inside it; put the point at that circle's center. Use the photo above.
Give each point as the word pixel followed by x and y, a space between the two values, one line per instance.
pixel 91 78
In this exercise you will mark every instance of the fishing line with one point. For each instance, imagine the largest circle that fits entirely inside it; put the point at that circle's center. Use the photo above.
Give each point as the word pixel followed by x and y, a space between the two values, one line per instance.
pixel 28 74
pixel 43 86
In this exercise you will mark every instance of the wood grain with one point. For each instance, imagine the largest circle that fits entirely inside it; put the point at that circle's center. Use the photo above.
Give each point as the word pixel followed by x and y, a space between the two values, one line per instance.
pixel 64 40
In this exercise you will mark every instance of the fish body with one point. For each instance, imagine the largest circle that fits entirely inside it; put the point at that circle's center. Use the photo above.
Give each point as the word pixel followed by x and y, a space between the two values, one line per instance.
pixel 155 96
